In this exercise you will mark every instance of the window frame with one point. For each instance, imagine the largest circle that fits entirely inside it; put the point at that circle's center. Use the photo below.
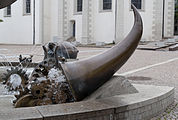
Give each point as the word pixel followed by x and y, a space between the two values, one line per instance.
pixel 101 6
pixel 107 3
pixel 79 5
pixel 76 12
pixel 25 7
pixel 142 6
pixel 6 11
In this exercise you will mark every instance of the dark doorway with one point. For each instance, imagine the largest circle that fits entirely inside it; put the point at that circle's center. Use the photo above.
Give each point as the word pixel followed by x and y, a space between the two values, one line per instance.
pixel 73 32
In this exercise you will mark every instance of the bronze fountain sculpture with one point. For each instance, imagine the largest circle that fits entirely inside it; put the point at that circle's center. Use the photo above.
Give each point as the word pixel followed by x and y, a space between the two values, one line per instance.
pixel 64 50
pixel 82 77
pixel 87 75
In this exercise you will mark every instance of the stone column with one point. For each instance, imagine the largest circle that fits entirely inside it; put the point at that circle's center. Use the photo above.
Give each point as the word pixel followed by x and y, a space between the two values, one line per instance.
pixel 119 20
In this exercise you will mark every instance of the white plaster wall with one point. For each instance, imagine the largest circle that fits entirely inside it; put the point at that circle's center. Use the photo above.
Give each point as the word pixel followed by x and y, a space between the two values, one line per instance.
pixel 38 22
pixel 51 21
pixel 77 17
pixel 104 23
pixel 54 19
pixel 46 21
pixel 16 29
pixel 147 16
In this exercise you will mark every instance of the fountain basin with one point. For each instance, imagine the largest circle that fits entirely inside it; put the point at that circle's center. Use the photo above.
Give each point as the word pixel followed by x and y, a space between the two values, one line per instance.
pixel 148 102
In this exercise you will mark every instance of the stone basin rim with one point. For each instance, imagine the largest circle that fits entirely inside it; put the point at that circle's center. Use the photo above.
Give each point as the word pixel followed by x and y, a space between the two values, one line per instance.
pixel 109 106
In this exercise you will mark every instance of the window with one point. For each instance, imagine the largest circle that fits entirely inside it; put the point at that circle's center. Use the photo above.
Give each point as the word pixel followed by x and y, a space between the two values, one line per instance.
pixel 7 11
pixel 79 5
pixel 137 3
pixel 107 4
pixel 27 7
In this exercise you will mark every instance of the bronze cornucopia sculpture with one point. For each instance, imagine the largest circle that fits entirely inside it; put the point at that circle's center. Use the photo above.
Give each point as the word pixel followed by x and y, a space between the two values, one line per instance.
pixel 87 75
pixel 78 79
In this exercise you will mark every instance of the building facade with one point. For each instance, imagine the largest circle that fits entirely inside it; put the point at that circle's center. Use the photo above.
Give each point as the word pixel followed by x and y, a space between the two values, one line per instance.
pixel 89 21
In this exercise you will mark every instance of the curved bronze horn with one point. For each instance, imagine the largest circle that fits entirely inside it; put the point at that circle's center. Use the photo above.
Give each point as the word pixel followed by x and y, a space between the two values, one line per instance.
pixel 87 75
pixel 5 3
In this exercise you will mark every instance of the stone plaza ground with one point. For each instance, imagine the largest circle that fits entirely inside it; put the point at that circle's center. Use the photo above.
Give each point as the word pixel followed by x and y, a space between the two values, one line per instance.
pixel 144 67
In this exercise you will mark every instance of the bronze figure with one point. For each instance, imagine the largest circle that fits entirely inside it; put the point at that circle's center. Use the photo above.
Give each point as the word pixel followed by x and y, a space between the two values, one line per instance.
pixel 85 76
pixel 65 50
pixel 79 78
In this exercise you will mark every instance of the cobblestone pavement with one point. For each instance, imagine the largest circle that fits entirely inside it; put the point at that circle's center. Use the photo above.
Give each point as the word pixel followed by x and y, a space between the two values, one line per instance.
pixel 144 67
pixel 171 113
pixel 12 52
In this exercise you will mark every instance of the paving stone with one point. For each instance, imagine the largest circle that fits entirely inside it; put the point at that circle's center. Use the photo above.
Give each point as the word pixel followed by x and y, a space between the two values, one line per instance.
pixel 6 101
pixel 1 89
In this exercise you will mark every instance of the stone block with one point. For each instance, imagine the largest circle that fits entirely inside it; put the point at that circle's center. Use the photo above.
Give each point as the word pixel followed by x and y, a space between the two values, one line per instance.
pixel 6 101
pixel 20 113
pixel 78 110
pixel 150 101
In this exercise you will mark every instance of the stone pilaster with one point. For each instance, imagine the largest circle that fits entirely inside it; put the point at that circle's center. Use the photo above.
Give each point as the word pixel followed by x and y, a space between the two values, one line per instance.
pixel 90 17
pixel 157 24
pixel 169 18
pixel 65 20
pixel 62 20
pixel 85 22
pixel 119 20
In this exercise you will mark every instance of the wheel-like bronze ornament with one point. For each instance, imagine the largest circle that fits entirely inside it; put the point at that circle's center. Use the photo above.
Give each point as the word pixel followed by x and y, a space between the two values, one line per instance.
pixel 15 78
